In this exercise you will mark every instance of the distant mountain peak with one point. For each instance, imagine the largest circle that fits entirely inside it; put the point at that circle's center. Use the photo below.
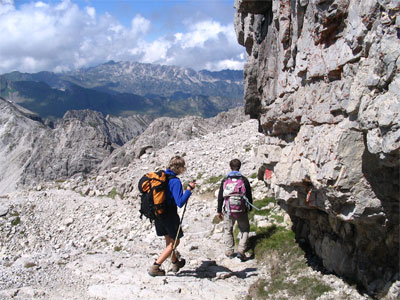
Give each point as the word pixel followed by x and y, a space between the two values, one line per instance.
pixel 123 88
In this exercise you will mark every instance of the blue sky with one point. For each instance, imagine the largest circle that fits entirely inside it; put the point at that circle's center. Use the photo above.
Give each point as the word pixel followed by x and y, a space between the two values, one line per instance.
pixel 61 35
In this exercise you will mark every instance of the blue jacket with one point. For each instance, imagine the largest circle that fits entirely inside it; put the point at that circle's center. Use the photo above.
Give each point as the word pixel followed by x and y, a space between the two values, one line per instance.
pixel 175 194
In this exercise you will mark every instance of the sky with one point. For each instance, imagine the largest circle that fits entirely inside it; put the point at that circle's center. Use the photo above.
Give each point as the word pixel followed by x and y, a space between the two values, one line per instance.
pixel 63 35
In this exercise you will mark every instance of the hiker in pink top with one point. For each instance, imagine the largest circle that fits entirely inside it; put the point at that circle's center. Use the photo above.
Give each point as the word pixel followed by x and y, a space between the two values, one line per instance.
pixel 234 202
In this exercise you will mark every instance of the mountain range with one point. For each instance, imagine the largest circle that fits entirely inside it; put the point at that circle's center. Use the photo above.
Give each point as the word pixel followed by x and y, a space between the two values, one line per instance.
pixel 31 150
pixel 84 141
pixel 126 88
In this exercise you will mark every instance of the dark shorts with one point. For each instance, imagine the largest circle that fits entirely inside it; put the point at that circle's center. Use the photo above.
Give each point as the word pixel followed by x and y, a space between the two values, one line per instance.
pixel 168 225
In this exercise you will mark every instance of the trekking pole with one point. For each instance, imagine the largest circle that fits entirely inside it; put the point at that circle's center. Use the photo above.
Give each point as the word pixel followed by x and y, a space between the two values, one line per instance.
pixel 179 228
pixel 180 224
pixel 177 233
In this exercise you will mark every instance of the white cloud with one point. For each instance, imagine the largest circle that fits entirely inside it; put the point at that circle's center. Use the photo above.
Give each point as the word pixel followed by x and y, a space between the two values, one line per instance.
pixel 91 11
pixel 41 4
pixel 202 32
pixel 225 64
pixel 57 37
pixel 140 25
pixel 207 45
pixel 6 6
pixel 156 52
pixel 178 36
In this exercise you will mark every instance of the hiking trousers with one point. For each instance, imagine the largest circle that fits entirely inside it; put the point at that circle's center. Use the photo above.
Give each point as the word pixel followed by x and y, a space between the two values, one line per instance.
pixel 244 227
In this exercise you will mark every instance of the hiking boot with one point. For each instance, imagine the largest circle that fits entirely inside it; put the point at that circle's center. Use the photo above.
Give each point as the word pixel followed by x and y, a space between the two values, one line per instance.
pixel 241 256
pixel 156 271
pixel 179 264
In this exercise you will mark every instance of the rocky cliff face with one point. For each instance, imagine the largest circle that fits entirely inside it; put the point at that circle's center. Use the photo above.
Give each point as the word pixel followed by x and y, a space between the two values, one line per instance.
pixel 32 151
pixel 323 78
pixel 18 133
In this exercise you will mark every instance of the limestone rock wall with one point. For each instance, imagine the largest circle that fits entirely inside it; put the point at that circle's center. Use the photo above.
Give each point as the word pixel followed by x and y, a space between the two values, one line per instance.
pixel 323 79
pixel 32 152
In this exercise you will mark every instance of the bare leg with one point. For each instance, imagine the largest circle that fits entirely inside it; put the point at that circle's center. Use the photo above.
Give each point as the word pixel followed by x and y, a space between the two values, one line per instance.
pixel 169 243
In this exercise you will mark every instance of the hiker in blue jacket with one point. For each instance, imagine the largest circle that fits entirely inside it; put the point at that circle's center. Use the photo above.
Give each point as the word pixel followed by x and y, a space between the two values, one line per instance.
pixel 167 225
pixel 229 218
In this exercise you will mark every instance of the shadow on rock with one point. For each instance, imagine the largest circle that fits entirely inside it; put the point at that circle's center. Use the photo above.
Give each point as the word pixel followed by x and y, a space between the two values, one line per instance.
pixel 210 269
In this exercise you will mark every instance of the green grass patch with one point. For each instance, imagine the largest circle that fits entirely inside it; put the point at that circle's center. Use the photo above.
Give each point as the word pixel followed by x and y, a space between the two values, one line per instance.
pixel 278 239
pixel 261 212
pixel 113 193
pixel 277 247
pixel 253 228
pixel 264 202
pixel 14 214
pixel 310 287
pixel 214 179
pixel 117 248
pixel 16 221
pixel 258 290
pixel 254 175
pixel 258 242
pixel 260 204
pixel 279 219
pixel 216 220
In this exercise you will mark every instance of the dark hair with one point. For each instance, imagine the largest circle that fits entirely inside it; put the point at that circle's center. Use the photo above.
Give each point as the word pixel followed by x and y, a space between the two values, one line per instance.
pixel 235 164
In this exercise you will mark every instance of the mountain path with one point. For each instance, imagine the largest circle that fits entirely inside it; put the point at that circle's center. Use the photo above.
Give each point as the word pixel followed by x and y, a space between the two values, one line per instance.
pixel 103 251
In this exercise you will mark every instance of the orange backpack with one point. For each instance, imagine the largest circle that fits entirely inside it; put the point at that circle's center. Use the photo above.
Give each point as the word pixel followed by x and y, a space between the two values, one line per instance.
pixel 153 187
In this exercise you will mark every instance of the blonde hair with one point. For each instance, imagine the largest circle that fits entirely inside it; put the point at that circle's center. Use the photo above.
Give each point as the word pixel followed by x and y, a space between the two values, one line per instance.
pixel 177 165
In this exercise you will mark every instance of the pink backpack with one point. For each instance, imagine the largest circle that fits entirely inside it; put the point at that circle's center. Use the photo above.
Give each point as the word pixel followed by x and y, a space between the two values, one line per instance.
pixel 234 196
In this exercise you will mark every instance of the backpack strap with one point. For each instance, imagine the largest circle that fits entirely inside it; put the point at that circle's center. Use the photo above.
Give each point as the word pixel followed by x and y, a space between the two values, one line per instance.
pixel 168 178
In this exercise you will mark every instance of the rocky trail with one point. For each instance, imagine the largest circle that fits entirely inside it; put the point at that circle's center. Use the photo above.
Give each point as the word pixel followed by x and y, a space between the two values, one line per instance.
pixel 67 246
pixel 99 248
pixel 72 240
